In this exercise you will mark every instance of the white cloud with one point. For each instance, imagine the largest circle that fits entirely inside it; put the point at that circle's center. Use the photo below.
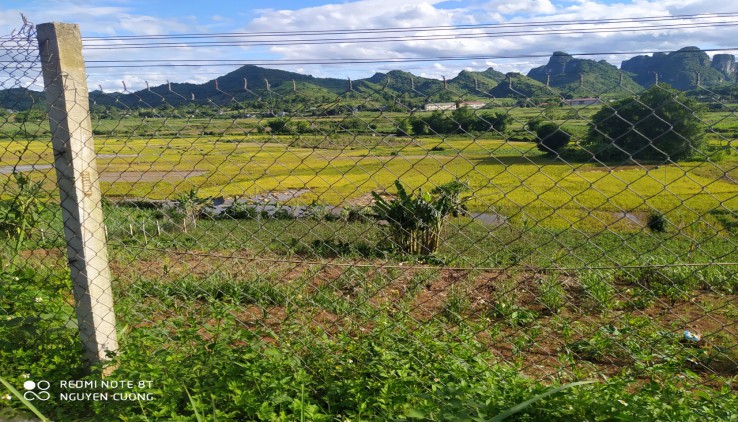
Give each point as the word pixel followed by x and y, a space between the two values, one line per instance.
pixel 535 7
pixel 121 18
pixel 401 13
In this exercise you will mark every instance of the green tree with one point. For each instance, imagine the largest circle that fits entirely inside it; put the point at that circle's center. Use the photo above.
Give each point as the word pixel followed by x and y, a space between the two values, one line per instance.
pixel 496 121
pixel 463 120
pixel 279 125
pixel 551 138
pixel 419 126
pixel 535 122
pixel 302 126
pixel 403 128
pixel 660 124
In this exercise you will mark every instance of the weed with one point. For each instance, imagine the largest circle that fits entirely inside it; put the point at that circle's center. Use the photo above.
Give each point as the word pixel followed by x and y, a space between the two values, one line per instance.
pixel 601 346
pixel 280 213
pixel 20 214
pixel 218 286
pixel 356 214
pixel 241 211
pixel 331 248
pixel 598 288
pixel 522 406
pixel 553 297
pixel 420 280
pixel 23 400
pixel 455 305
pixel 717 278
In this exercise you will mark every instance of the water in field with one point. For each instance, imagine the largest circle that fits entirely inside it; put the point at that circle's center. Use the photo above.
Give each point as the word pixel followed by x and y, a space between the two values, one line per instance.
pixel 488 218
pixel 24 168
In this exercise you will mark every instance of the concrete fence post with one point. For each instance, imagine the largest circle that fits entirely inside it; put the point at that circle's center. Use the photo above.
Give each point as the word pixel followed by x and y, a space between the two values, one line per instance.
pixel 65 84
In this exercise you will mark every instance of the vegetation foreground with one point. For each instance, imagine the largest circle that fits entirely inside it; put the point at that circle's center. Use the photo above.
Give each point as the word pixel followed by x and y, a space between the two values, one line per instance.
pixel 333 326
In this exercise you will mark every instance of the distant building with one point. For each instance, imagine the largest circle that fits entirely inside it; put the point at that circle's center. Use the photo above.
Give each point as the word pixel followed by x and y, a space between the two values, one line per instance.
pixel 475 105
pixel 439 106
pixel 453 106
pixel 582 101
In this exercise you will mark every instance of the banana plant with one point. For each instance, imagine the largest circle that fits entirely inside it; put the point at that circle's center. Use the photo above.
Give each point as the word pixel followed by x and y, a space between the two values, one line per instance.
pixel 416 222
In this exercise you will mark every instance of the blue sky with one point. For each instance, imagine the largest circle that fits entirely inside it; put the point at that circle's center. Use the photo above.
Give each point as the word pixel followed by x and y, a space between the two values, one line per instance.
pixel 107 18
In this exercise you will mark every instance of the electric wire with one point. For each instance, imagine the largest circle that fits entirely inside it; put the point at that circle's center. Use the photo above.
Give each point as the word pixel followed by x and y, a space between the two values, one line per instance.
pixel 420 28
pixel 407 38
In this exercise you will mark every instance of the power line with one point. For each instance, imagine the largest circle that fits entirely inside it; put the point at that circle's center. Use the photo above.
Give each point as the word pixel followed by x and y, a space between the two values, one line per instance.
pixel 408 38
pixel 418 28
pixel 329 61
pixel 347 60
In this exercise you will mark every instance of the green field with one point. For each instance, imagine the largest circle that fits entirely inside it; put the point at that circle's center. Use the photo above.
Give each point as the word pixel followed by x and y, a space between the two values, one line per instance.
pixel 504 176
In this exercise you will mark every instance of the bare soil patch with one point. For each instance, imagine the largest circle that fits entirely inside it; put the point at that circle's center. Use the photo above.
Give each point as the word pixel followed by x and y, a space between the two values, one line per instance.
pixel 536 342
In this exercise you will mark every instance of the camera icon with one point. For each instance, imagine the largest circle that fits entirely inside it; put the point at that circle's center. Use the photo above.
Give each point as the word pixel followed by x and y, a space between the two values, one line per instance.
pixel 36 390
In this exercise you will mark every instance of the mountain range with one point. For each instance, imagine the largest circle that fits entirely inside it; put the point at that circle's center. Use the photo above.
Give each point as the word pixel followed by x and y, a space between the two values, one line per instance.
pixel 563 76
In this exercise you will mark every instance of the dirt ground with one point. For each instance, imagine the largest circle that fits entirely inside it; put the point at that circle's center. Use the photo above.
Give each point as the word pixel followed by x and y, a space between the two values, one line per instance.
pixel 423 294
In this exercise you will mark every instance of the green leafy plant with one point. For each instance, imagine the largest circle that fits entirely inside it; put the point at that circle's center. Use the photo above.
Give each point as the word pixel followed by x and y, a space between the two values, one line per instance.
pixel 241 211
pixel 597 285
pixel 19 215
pixel 524 405
pixel 416 222
pixel 553 296
pixel 189 207
pixel 656 222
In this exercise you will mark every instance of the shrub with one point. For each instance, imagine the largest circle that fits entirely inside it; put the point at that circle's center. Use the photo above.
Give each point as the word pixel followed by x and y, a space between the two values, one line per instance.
pixel 416 223
pixel 534 123
pixel 656 222
pixel 279 126
pixel 241 211
pixel 302 126
pixel 551 138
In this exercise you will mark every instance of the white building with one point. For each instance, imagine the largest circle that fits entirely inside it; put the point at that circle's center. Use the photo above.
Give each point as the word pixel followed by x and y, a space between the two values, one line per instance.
pixel 439 106
pixel 474 105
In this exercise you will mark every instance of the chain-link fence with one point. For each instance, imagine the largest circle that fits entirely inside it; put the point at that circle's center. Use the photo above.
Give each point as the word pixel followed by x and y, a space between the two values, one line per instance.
pixel 285 247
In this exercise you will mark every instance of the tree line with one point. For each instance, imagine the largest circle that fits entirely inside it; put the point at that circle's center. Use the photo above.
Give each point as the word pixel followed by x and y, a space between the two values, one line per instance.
pixel 660 124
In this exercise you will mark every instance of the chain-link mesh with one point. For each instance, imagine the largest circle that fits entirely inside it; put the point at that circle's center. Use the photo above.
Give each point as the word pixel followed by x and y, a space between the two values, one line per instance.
pixel 399 247
pixel 38 326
